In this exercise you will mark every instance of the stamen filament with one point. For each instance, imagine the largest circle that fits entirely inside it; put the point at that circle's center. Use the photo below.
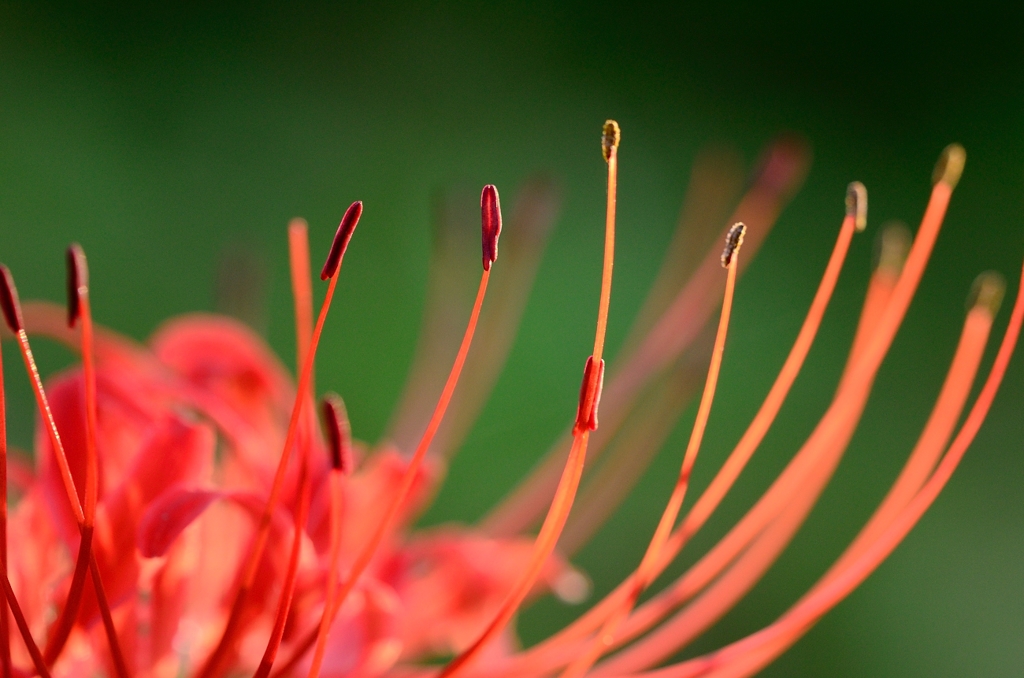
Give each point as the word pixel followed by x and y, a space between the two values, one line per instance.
pixel 565 493
pixel 22 624
pixel 799 618
pixel 288 588
pixel 232 627
pixel 336 478
pixel 643 576
pixel 737 460
pixel 330 271
pixel 369 549
pixel 80 311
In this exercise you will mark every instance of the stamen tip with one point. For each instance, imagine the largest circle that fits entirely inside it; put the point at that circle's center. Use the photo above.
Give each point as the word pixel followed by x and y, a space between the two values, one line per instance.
pixel 339 432
pixel 733 242
pixel 490 223
pixel 987 292
pixel 892 246
pixel 950 165
pixel 341 238
pixel 78 281
pixel 9 303
pixel 857 204
pixel 610 137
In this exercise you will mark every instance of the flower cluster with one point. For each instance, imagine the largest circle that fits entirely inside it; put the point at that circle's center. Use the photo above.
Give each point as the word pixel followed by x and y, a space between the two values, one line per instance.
pixel 188 512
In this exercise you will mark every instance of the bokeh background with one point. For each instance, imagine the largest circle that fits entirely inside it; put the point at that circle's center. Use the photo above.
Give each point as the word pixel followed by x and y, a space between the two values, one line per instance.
pixel 161 138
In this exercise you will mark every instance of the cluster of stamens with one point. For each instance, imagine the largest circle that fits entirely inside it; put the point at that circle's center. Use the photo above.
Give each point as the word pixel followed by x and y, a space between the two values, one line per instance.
pixel 720 577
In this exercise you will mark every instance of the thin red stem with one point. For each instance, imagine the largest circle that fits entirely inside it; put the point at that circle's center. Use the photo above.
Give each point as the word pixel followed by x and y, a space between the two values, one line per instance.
pixel 288 588
pixel 233 625
pixel 22 624
pixel 565 493
pixel 644 574
pixel 369 548
pixel 546 653
pixel 336 479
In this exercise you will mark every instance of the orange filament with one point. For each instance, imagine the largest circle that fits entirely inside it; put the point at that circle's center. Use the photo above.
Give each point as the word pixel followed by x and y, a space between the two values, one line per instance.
pixel 232 627
pixel 369 549
pixel 830 435
pixel 302 291
pixel 678 326
pixel 747 655
pixel 924 456
pixel 288 588
pixel 22 624
pixel 550 530
pixel 751 439
pixel 51 426
pixel 565 493
pixel 644 574
pixel 334 557
pixel 120 668
pixel 79 311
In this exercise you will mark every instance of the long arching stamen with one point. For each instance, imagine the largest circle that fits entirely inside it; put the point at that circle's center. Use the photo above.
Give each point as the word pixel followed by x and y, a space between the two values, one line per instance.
pixel 642 578
pixel 751 439
pixel 826 443
pixel 586 421
pixel 80 313
pixel 11 308
pixel 795 622
pixel 932 441
pixel 330 271
pixel 288 586
pixel 490 217
pixel 339 437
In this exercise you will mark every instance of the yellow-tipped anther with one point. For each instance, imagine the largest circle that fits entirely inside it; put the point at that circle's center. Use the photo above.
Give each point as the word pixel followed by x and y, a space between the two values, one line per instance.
pixel 950 165
pixel 987 292
pixel 857 204
pixel 892 246
pixel 610 137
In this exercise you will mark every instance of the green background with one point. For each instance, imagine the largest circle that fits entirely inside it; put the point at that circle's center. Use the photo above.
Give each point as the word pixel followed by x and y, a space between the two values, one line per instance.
pixel 158 138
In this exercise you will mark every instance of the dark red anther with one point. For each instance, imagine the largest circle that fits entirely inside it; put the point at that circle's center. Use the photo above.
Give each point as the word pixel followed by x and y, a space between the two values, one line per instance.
pixel 78 277
pixel 339 432
pixel 9 301
pixel 341 238
pixel 490 223
pixel 590 397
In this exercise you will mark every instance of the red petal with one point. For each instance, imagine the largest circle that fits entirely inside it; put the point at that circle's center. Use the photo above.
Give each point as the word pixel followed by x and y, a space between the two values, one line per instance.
pixel 168 516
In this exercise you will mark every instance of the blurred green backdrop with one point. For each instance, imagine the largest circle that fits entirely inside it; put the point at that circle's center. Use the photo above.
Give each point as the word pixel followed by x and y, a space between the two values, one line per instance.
pixel 159 137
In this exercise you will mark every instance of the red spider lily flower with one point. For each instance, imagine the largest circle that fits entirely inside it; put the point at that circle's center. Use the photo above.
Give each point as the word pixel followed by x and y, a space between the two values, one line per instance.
pixel 190 514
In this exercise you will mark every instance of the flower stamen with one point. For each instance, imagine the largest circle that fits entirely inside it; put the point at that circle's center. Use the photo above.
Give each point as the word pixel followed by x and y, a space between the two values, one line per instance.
pixel 330 270
pixel 565 492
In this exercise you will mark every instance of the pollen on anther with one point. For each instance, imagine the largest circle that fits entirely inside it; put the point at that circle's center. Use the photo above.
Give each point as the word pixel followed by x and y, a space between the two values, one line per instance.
pixel 339 432
pixel 857 204
pixel 490 224
pixel 78 278
pixel 733 241
pixel 610 137
pixel 9 303
pixel 341 238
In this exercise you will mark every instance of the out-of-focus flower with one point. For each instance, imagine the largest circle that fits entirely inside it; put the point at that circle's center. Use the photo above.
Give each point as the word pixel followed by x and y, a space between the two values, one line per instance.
pixel 187 515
